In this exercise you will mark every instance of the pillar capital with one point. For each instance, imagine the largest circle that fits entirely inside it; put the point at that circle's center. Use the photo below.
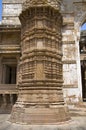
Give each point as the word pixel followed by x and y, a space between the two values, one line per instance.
pixel 32 3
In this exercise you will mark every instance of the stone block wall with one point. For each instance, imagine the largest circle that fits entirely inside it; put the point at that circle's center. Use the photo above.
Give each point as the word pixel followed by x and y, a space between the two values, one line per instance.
pixel 11 11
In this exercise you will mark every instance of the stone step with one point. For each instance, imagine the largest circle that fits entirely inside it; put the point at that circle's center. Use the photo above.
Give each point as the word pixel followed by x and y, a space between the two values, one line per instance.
pixel 78 111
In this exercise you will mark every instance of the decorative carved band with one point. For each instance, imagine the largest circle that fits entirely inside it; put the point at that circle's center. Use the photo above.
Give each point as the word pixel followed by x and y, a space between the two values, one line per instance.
pixel 36 3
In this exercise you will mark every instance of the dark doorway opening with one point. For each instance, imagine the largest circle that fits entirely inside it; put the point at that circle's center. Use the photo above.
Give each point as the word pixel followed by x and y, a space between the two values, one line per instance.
pixel 14 98
pixel 83 73
pixel 10 74
pixel 82 45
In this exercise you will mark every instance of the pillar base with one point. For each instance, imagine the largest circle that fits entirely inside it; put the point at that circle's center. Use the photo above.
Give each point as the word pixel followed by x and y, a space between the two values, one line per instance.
pixel 39 116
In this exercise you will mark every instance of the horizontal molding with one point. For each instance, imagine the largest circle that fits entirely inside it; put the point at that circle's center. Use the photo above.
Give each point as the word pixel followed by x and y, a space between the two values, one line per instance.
pixel 68 42
pixel 69 62
pixel 12 1
pixel 10 28
pixel 8 91
pixel 9 49
pixel 70 86
pixel 9 52
pixel 8 88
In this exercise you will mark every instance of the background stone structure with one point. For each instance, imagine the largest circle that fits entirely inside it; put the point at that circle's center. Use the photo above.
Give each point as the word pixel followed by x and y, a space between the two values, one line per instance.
pixel 74 15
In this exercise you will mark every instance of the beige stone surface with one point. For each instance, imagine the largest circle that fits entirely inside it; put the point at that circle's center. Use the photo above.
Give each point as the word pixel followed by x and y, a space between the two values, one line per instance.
pixel 77 123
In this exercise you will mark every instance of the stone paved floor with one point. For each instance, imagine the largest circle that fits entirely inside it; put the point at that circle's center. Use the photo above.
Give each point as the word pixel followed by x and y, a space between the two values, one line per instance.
pixel 77 123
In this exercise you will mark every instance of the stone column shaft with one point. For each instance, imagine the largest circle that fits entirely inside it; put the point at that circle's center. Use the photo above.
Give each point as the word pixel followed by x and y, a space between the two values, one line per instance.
pixel 4 100
pixel 40 99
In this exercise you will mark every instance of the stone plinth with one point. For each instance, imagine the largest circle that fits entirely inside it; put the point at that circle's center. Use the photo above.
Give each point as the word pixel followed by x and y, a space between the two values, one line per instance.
pixel 40 99
pixel 78 124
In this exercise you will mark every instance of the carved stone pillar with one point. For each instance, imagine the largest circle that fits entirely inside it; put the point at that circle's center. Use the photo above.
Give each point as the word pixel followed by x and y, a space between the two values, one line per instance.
pixel 4 100
pixel 40 99
pixel 11 99
pixel 1 100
